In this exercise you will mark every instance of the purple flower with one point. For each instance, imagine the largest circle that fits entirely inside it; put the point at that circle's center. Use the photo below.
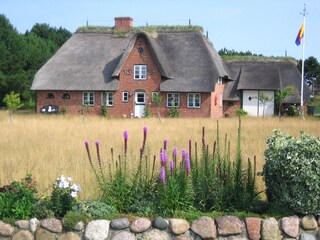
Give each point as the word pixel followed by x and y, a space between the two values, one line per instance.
pixel 171 166
pixel 163 175
pixel 125 135
pixel 175 152
pixel 165 142
pixel 145 130
pixel 98 151
pixel 163 157
pixel 183 153
pixel 187 164
pixel 88 151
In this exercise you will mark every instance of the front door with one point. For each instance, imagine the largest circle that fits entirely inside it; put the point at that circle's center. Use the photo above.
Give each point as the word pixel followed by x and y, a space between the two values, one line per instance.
pixel 139 104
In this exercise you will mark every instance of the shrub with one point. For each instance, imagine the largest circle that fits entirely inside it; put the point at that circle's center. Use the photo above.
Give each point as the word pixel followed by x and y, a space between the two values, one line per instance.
pixel 17 199
pixel 174 112
pixel 63 196
pixel 94 209
pixel 292 172
pixel 42 209
pixel 71 218
pixel 241 113
pixel 147 112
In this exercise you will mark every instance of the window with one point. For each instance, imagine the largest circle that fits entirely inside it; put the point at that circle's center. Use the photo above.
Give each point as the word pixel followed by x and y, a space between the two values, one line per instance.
pixel 220 102
pixel 173 99
pixel 219 80
pixel 65 96
pixel 107 99
pixel 194 100
pixel 125 96
pixel 140 72
pixel 140 97
pixel 49 96
pixel 88 98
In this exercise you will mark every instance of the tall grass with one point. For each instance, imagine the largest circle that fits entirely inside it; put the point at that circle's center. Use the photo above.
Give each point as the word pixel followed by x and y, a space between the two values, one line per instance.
pixel 48 146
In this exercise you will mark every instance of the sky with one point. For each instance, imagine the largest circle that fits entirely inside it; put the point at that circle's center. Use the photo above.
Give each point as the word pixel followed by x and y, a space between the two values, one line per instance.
pixel 267 27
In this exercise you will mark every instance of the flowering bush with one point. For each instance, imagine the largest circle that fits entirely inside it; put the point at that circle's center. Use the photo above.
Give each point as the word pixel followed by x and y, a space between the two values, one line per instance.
pixel 292 172
pixel 64 195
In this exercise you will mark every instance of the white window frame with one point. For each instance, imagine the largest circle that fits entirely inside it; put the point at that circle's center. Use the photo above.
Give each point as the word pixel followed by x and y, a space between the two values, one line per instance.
pixel 219 80
pixel 140 72
pixel 173 98
pixel 88 99
pixel 192 100
pixel 107 99
pixel 220 100
pixel 125 97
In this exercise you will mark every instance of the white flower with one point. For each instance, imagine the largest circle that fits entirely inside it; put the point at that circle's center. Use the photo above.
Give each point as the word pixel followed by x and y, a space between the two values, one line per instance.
pixel 75 187
pixel 74 194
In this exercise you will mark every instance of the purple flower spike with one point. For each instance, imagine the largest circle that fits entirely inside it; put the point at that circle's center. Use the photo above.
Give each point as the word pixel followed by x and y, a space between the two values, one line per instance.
pixel 171 166
pixel 175 152
pixel 163 175
pixel 163 157
pixel 187 164
pixel 125 135
pixel 145 130
pixel 165 142
pixel 88 151
pixel 98 150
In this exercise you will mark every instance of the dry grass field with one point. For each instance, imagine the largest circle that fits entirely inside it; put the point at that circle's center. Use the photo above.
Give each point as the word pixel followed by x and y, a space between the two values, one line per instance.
pixel 48 146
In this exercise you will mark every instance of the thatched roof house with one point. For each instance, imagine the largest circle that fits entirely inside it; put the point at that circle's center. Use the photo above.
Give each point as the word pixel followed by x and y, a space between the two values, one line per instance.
pixel 124 70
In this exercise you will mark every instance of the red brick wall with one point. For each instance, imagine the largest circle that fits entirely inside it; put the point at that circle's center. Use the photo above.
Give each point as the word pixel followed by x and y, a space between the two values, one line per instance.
pixel 229 111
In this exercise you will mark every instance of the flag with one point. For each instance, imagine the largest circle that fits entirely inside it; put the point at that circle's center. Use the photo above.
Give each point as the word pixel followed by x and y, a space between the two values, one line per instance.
pixel 300 35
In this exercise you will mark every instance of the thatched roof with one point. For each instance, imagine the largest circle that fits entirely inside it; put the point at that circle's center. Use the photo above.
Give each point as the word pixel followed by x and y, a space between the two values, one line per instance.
pixel 92 61
pixel 264 76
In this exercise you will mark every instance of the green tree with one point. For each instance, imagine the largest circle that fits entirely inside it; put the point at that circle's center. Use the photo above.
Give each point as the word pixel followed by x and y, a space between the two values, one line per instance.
pixel 264 99
pixel 281 95
pixel 13 102
pixel 311 70
pixel 157 100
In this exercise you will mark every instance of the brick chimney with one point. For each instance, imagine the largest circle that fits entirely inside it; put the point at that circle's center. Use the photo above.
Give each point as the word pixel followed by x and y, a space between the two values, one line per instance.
pixel 123 23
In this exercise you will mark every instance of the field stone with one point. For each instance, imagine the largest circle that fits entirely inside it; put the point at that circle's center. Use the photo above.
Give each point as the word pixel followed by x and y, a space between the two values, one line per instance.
pixel 52 224
pixel 6 230
pixel 290 226
pixel 307 236
pixel 69 236
pixel 229 225
pixel 79 226
pixel 22 224
pixel 97 229
pixel 43 234
pixel 22 235
pixel 253 227
pixel 178 226
pixel 140 225
pixel 160 223
pixel 33 224
pixel 204 227
pixel 270 229
pixel 120 223
pixel 309 222
pixel 123 235
pixel 155 234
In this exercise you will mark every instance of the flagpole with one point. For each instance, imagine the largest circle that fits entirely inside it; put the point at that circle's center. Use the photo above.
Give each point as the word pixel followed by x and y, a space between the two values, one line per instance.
pixel 302 67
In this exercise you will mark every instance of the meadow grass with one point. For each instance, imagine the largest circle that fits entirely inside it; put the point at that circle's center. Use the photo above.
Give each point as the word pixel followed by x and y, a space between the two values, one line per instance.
pixel 48 146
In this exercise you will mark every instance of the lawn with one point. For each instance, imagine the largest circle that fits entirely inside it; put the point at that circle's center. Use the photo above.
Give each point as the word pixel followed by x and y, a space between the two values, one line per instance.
pixel 48 146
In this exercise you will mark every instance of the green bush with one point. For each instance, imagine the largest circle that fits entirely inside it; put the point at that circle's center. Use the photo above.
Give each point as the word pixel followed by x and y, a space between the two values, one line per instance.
pixel 17 199
pixel 292 171
pixel 71 218
pixel 241 113
pixel 42 209
pixel 174 112
pixel 94 209
pixel 63 196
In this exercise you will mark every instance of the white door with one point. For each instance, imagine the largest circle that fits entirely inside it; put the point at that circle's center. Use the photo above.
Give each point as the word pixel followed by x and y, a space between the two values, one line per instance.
pixel 139 104
pixel 250 102
pixel 267 109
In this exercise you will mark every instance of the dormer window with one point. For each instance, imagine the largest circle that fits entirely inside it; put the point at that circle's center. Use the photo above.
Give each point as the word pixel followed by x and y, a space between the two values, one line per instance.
pixel 49 96
pixel 140 72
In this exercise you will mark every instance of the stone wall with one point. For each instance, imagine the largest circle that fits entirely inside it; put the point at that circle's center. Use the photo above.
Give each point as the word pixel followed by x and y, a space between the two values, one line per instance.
pixel 224 227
